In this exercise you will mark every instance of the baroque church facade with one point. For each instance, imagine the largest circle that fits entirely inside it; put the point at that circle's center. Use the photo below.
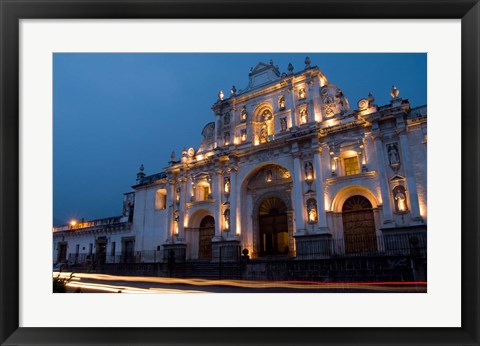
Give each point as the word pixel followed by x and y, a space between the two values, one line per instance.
pixel 286 168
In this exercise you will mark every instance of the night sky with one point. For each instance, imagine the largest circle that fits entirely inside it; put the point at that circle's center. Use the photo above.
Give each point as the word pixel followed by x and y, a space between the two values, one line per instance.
pixel 113 112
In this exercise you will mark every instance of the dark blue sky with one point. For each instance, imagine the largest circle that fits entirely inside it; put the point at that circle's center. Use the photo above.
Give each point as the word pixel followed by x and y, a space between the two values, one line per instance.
pixel 113 112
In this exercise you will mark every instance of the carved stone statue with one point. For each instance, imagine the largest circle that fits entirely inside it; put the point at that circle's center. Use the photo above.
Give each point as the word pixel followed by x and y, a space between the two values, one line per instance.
pixel 312 210
pixel 227 185
pixel 269 176
pixel 176 215
pixel 302 94
pixel 400 201
pixel 281 103
pixel 283 124
pixel 226 216
pixel 243 113
pixel 393 155
pixel 267 115
pixel 394 92
pixel 308 170
pixel 304 116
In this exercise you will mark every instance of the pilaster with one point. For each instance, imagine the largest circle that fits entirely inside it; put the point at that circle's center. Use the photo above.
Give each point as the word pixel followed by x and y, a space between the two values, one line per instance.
pixel 297 193
pixel 382 174
pixel 217 182
pixel 411 181
pixel 322 216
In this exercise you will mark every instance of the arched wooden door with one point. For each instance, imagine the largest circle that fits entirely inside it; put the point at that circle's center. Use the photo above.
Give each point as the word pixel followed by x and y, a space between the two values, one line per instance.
pixel 273 227
pixel 206 232
pixel 358 225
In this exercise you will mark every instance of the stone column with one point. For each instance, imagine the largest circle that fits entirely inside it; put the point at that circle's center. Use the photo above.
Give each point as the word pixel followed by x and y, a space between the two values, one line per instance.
pixel 217 182
pixel 181 207
pixel 310 96
pixel 293 108
pixel 188 196
pixel 411 181
pixel 322 216
pixel 382 175
pixel 297 194
pixel 233 203
pixel 363 155
pixel 170 208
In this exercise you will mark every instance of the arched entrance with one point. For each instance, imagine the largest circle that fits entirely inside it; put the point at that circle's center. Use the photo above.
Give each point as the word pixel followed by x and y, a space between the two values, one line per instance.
pixel 273 227
pixel 206 232
pixel 358 225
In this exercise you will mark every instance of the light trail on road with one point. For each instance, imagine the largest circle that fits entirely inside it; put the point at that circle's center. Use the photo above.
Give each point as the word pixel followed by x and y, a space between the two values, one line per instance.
pixel 124 289
pixel 420 287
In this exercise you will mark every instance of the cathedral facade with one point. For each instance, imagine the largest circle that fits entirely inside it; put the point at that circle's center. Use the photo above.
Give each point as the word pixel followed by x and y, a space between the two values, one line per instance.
pixel 286 168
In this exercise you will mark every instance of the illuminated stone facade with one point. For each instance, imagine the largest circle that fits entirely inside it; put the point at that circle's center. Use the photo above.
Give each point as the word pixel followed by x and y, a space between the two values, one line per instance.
pixel 287 167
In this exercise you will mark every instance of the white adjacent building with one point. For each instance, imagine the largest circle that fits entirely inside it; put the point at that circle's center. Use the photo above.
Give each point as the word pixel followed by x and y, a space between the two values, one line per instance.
pixel 287 167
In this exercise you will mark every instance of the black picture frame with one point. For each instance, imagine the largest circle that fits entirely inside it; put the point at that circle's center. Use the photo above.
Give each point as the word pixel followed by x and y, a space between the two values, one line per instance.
pixel 11 11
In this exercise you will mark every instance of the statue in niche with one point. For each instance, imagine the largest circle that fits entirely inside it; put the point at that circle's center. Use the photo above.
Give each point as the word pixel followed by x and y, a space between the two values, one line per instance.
pixel 176 215
pixel 243 113
pixel 312 210
pixel 281 103
pixel 179 190
pixel 244 135
pixel 283 124
pixel 308 170
pixel 302 94
pixel 399 195
pixel 393 155
pixel 227 218
pixel 269 176
pixel 267 115
pixel 304 116
pixel 226 119
pixel 227 185
pixel 227 138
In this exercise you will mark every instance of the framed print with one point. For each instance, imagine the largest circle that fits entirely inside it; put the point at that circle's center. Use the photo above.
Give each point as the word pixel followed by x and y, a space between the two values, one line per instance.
pixel 229 205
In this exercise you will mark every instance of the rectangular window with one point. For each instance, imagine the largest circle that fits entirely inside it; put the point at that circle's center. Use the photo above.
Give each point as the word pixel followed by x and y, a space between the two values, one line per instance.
pixel 351 165
pixel 112 252
pixel 206 191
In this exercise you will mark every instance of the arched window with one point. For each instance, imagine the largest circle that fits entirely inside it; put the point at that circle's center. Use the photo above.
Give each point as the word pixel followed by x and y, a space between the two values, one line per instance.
pixel 161 199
